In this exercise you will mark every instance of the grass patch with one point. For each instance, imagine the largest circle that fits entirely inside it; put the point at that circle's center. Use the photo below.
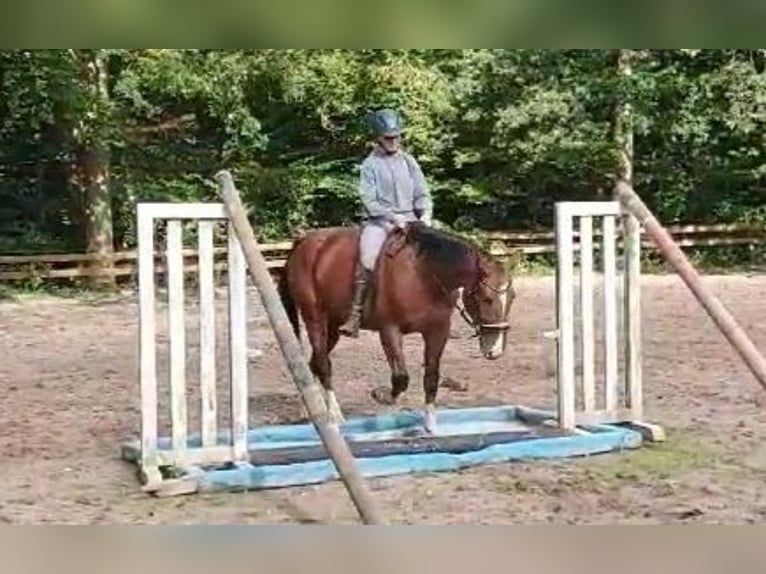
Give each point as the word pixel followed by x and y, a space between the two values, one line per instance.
pixel 680 454
pixel 20 293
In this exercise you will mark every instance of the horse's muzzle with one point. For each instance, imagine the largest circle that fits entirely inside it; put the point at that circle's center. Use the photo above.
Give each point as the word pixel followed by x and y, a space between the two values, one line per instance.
pixel 493 355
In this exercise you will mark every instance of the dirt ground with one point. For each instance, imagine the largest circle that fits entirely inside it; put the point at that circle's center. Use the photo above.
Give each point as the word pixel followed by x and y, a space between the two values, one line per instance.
pixel 68 374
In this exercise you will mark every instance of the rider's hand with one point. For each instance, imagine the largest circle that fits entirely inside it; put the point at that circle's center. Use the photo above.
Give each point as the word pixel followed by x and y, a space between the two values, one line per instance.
pixel 399 221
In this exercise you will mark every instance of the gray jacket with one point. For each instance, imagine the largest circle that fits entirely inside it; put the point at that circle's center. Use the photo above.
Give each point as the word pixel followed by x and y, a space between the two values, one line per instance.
pixel 394 185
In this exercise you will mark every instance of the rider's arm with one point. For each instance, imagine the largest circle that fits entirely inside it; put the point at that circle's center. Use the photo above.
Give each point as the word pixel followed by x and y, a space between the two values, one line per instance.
pixel 368 193
pixel 422 201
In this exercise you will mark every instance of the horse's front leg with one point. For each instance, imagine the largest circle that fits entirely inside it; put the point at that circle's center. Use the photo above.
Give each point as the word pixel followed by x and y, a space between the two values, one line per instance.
pixel 434 343
pixel 391 340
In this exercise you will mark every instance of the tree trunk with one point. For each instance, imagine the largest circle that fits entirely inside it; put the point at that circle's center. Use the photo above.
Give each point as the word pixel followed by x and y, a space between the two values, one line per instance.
pixel 623 120
pixel 629 226
pixel 97 215
pixel 93 170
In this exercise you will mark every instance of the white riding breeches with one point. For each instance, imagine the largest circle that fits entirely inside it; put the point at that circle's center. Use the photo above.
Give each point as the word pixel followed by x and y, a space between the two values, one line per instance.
pixel 372 239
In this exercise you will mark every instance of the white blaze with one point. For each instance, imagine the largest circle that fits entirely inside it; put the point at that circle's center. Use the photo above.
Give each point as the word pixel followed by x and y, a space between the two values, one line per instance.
pixel 499 343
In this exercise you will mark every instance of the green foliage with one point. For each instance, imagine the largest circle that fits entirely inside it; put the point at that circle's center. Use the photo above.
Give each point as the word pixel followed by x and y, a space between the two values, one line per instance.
pixel 501 134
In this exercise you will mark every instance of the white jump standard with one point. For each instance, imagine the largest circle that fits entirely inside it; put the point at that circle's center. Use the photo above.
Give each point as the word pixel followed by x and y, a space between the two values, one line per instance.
pixel 611 409
pixel 209 450
pixel 191 459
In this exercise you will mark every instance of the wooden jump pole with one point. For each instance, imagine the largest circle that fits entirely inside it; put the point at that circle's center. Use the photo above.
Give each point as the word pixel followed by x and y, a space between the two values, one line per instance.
pixel 673 255
pixel 291 349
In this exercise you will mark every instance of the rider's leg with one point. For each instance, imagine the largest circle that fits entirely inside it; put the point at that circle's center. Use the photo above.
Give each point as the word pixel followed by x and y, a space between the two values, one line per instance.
pixel 370 242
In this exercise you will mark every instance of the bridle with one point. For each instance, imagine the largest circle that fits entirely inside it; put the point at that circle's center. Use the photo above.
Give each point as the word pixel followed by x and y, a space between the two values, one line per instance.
pixel 481 328
pixel 478 328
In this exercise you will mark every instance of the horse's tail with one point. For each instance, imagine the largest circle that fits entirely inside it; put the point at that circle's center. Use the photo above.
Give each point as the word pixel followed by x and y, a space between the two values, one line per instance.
pixel 283 287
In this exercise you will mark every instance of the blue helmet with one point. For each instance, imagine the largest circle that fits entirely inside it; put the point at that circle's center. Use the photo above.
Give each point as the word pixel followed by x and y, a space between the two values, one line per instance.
pixel 386 123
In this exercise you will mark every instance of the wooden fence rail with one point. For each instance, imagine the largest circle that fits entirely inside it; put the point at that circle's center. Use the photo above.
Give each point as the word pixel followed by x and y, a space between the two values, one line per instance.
pixel 19 267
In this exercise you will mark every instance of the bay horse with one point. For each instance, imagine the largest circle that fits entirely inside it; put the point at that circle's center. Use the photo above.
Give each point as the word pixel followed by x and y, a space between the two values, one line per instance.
pixel 419 276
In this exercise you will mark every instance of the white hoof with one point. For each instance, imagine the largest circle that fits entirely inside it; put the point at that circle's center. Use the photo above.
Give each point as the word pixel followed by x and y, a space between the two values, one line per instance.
pixel 429 419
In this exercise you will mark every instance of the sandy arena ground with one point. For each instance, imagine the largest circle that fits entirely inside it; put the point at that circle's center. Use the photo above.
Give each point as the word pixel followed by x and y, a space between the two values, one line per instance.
pixel 68 372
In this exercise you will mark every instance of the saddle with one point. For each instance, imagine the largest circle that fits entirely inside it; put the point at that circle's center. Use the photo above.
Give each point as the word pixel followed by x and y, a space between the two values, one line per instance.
pixel 396 240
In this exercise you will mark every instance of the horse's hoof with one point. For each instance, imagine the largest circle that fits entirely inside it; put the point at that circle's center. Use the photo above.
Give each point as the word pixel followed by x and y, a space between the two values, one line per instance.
pixel 383 395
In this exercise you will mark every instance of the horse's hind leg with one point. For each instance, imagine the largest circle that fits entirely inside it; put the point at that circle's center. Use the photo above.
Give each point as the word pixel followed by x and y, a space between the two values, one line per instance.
pixel 336 414
pixel 323 340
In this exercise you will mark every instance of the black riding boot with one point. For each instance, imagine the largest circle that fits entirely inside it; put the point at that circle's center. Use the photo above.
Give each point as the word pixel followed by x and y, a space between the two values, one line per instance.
pixel 351 327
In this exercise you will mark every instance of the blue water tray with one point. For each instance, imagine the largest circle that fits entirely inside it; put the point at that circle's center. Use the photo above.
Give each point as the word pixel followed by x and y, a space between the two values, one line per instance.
pixel 393 444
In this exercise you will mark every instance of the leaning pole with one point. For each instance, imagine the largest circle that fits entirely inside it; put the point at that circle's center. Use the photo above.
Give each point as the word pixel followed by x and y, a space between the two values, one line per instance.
pixel 726 323
pixel 290 346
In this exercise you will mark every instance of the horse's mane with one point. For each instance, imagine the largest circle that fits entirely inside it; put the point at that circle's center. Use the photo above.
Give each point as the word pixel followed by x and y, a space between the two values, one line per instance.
pixel 442 249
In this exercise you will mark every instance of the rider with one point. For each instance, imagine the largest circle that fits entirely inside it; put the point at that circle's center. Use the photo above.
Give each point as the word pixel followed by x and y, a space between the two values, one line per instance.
pixel 394 193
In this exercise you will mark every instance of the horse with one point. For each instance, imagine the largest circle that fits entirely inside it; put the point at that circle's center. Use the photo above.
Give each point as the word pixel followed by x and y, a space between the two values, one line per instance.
pixel 420 274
